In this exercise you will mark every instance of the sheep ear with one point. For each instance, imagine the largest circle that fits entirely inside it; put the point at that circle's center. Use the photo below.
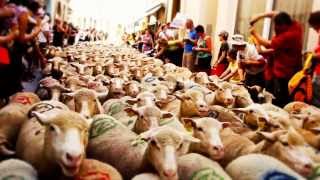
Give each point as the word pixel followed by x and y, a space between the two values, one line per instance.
pixel 132 101
pixel 189 138
pixel 5 151
pixel 225 124
pixel 272 136
pixel 166 115
pixel 240 110
pixel 212 86
pixel 103 95
pixel 189 123
pixel 42 118
pixel 69 95
pixel 131 111
pixel 171 98
pixel 268 136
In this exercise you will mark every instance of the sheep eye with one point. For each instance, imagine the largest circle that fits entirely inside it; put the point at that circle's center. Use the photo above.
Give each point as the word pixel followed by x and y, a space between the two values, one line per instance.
pixel 154 143
pixel 251 111
pixel 52 128
pixel 180 146
pixel 139 99
pixel 200 129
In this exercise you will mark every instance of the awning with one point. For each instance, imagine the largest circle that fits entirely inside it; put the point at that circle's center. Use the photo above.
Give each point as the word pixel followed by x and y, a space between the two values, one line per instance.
pixel 150 11
pixel 154 9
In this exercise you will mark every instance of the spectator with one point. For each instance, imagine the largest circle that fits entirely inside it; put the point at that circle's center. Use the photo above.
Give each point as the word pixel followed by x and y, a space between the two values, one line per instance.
pixel 203 50
pixel 287 46
pixel 147 41
pixel 221 63
pixel 189 43
pixel 58 33
pixel 250 61
pixel 29 23
pixel 162 47
pixel 8 33
pixel 44 38
pixel 314 22
pixel 72 34
pixel 232 72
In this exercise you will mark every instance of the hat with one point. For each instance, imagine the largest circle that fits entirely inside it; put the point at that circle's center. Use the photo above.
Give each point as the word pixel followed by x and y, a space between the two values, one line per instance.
pixel 238 40
pixel 224 34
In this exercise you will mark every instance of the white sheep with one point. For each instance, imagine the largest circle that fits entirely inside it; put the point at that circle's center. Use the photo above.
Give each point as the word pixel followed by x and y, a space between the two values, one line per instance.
pixel 258 166
pixel 196 166
pixel 12 116
pixel 54 139
pixel 17 169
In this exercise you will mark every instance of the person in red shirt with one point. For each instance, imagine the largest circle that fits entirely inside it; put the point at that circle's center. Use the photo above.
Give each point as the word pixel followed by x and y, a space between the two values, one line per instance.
pixel 286 48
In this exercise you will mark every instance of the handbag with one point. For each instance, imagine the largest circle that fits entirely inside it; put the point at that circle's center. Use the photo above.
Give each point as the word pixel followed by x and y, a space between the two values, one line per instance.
pixel 4 56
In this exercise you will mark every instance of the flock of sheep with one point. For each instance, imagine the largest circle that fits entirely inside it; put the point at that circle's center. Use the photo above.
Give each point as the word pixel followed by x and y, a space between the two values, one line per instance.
pixel 110 113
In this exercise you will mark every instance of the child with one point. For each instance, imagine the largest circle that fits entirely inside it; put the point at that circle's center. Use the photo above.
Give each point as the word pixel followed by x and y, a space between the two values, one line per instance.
pixel 232 72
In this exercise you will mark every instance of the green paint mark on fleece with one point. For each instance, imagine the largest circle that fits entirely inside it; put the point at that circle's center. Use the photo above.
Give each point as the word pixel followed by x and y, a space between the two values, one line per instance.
pixel 206 174
pixel 13 177
pixel 115 108
pixel 315 174
pixel 102 125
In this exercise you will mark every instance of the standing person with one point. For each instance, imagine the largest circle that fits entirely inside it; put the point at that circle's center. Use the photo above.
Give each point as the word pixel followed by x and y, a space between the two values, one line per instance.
pixel 58 33
pixel 147 41
pixel 189 43
pixel 250 61
pixel 8 33
pixel 203 50
pixel 29 25
pixel 72 34
pixel 221 63
pixel 287 47
pixel 314 22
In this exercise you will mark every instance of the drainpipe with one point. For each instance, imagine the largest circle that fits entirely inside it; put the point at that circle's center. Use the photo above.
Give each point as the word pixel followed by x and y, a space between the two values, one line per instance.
pixel 267 21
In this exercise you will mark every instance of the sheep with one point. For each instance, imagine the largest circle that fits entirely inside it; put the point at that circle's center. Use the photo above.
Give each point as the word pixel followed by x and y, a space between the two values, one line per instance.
pixel 309 115
pixel 165 145
pixel 207 130
pixel 87 102
pixel 53 140
pixel 256 116
pixel 116 108
pixel 113 143
pixel 242 97
pixel 236 145
pixel 12 116
pixel 193 103
pixel 222 95
pixel 151 117
pixel 17 169
pixel 93 169
pixel 132 88
pixel 54 87
pixel 144 98
pixel 146 176
pixel 258 166
pixel 292 156
pixel 195 166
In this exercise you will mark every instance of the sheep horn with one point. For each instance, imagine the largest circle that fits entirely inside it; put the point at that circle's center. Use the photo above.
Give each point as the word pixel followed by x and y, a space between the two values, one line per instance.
pixel 5 151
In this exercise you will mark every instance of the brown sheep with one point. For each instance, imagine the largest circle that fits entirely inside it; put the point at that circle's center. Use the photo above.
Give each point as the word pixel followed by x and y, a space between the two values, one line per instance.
pixel 12 116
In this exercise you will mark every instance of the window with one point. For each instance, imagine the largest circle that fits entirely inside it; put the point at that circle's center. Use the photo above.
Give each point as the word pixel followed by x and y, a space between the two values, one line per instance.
pixel 246 9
